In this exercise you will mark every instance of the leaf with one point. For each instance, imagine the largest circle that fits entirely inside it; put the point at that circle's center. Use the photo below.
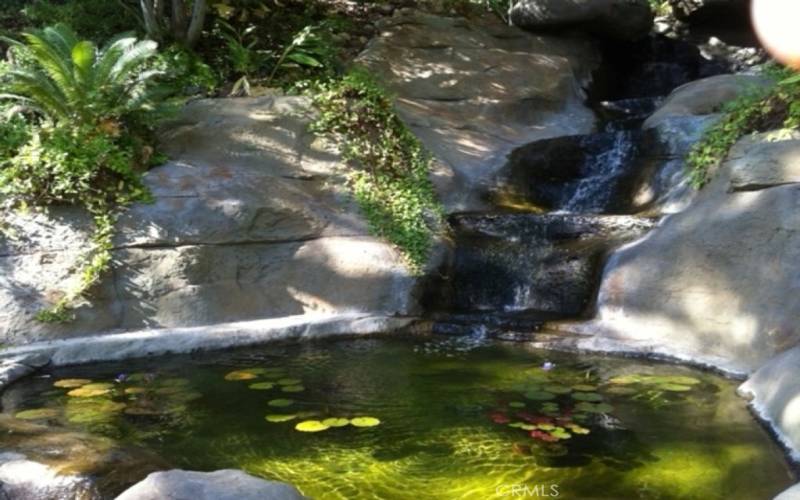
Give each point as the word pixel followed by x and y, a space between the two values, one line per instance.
pixel 311 426
pixel 586 396
pixel 293 388
pixel 276 417
pixel 304 59
pixel 516 404
pixel 71 383
pixel 540 395
pixel 261 386
pixel 37 414
pixel 557 389
pixel 240 375
pixel 290 381
pixel 336 422
pixel 675 387
pixel 135 390
pixel 280 403
pixel 364 422
pixel 584 387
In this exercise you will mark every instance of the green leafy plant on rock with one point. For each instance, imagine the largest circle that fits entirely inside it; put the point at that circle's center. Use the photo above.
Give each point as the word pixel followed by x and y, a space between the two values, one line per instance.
pixel 390 179
pixel 86 143
pixel 758 110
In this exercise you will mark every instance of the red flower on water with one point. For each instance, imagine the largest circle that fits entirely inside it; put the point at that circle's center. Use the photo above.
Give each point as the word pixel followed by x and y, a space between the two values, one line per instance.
pixel 499 418
pixel 543 436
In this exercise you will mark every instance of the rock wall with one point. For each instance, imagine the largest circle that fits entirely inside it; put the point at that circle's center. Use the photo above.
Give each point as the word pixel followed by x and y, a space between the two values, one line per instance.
pixel 252 218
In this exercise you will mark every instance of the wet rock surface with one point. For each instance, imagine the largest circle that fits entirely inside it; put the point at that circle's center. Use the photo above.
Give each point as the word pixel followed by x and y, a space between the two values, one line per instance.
pixel 219 485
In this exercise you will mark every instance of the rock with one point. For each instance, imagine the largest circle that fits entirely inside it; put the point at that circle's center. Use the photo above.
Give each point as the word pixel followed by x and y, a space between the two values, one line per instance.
pixel 792 493
pixel 22 479
pixel 683 9
pixel 774 394
pixel 250 220
pixel 619 19
pixel 765 160
pixel 705 97
pixel 444 73
pixel 219 485
pixel 714 283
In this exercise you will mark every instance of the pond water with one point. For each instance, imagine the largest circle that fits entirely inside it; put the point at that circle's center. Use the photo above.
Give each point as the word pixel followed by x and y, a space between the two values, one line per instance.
pixel 449 417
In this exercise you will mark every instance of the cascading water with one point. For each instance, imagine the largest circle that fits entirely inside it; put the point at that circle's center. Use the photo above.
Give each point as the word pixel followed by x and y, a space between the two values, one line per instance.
pixel 562 205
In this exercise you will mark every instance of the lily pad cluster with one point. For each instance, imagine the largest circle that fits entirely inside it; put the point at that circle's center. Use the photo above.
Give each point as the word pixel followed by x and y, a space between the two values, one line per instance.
pixel 552 406
pixel 277 379
pixel 267 379
pixel 99 404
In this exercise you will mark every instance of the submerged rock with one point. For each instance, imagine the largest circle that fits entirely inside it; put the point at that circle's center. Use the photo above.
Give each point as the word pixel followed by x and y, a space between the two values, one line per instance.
pixel 22 479
pixel 219 485
pixel 623 19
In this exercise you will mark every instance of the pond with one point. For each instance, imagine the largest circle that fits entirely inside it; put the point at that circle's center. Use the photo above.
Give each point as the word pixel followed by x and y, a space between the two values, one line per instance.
pixel 420 417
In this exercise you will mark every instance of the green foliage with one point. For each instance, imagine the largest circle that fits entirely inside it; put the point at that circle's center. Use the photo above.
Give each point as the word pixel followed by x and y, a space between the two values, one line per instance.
pixel 86 143
pixel 391 181
pixel 95 20
pixel 244 58
pixel 759 110
pixel 309 48
pixel 184 71
pixel 69 80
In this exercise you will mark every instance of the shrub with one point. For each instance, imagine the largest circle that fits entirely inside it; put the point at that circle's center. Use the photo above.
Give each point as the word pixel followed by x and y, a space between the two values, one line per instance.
pixel 96 20
pixel 69 81
pixel 89 143
pixel 390 181
pixel 759 110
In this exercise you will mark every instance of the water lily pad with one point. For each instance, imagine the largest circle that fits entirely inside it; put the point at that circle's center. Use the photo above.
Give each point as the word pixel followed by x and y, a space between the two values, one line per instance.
pixel 84 392
pixel 584 387
pixel 560 433
pixel 522 425
pixel 293 388
pixel 96 411
pixel 683 380
pixel 550 406
pixel 558 389
pixel 169 390
pixel 71 383
pixel 290 381
pixel 276 418
pixel 311 426
pixel 238 375
pixel 587 396
pixel 261 386
pixel 545 426
pixel 281 403
pixel 675 387
pixel 365 422
pixel 135 390
pixel 577 429
pixel 336 422
pixel 37 414
pixel 543 436
pixel 540 395
pixel 594 407
pixel 626 379
pixel 516 404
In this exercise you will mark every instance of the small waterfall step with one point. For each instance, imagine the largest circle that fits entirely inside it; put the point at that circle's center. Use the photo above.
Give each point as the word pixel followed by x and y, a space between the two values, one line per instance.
pixel 515 271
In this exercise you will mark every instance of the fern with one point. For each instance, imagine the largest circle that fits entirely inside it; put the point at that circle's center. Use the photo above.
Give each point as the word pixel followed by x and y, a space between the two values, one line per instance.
pixel 71 81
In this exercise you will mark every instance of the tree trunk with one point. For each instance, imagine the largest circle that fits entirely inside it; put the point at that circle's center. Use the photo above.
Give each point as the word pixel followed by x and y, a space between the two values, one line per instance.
pixel 198 20
pixel 151 22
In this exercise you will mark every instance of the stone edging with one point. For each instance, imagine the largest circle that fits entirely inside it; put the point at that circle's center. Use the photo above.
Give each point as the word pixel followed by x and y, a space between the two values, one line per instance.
pixel 116 347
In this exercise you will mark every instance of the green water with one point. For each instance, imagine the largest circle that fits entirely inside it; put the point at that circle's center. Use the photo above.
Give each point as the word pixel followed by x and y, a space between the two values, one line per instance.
pixel 456 421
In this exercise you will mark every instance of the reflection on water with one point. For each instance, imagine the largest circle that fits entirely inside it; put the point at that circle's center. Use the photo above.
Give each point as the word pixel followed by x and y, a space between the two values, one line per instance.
pixel 413 418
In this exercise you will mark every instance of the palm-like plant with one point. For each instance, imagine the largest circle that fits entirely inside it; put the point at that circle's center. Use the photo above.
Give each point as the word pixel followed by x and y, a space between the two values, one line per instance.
pixel 72 81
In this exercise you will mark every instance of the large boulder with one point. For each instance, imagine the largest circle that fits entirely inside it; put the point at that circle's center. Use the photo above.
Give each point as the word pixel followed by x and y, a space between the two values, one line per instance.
pixel 706 96
pixel 774 393
pixel 472 91
pixel 220 485
pixel 619 19
pixel 250 220
pixel 715 283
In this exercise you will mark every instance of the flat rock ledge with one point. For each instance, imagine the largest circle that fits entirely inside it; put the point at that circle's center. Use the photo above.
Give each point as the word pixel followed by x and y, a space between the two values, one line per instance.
pixel 225 484
pixel 115 347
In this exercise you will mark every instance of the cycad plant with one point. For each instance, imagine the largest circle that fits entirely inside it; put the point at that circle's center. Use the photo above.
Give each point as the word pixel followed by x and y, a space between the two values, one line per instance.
pixel 72 81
